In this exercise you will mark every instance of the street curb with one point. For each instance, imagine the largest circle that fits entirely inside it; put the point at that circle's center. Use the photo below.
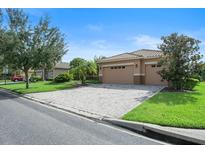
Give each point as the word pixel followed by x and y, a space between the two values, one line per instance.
pixel 139 127
pixel 145 129
pixel 79 112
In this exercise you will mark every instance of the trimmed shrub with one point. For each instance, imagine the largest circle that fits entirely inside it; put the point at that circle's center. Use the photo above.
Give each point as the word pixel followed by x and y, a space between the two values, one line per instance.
pixel 92 77
pixel 35 78
pixel 65 77
pixel 203 75
pixel 196 76
pixel 190 83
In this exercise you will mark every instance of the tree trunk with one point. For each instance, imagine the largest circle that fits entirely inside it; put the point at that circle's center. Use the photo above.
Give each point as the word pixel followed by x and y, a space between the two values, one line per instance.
pixel 27 79
pixel 43 74
pixel 179 85
pixel 78 76
pixel 83 79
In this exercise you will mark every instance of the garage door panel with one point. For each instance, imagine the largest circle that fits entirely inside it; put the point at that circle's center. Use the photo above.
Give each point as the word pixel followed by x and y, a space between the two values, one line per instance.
pixel 123 75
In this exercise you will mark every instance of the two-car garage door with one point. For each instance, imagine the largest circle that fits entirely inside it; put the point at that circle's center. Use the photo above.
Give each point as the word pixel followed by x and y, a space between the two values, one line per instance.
pixel 124 74
pixel 118 74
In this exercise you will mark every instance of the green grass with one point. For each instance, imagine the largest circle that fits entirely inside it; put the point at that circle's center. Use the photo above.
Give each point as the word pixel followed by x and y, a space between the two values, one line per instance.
pixel 93 81
pixel 177 109
pixel 4 81
pixel 42 86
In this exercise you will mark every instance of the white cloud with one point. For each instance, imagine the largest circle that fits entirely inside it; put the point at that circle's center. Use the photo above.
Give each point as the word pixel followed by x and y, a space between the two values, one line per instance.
pixel 197 34
pixel 95 27
pixel 146 41
pixel 100 44
pixel 87 49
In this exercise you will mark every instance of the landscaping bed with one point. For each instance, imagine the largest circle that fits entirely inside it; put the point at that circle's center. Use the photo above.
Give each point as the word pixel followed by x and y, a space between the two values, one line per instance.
pixel 177 109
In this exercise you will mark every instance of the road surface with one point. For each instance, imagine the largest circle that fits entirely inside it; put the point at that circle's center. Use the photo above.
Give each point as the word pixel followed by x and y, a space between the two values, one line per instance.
pixel 26 122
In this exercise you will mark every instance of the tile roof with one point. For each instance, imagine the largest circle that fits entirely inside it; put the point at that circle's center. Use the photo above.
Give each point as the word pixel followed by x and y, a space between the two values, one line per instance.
pixel 147 53
pixel 139 54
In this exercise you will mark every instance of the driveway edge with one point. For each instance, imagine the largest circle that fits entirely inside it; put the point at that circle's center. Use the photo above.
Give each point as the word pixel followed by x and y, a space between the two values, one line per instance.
pixel 155 131
pixel 67 109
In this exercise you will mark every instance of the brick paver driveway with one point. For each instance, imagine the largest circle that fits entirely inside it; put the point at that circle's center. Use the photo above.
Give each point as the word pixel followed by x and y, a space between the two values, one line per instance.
pixel 109 100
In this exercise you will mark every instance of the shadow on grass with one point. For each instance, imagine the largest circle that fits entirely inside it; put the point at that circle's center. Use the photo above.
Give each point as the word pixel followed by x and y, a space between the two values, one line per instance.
pixel 73 82
pixel 175 98
pixel 93 82
pixel 61 83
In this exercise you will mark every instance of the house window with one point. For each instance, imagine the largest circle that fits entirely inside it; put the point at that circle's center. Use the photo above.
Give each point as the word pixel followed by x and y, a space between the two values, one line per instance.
pixel 153 65
pixel 117 67
pixel 136 65
pixel 100 68
pixel 158 65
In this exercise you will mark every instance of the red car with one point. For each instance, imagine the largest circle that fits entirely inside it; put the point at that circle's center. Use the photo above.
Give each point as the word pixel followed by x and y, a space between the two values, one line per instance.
pixel 16 78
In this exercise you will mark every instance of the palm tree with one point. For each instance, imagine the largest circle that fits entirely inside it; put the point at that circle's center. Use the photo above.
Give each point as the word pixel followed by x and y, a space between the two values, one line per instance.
pixel 85 68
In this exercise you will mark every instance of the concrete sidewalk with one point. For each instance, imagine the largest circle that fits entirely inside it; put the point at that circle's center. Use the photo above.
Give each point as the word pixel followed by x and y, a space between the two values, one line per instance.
pixel 10 82
pixel 195 136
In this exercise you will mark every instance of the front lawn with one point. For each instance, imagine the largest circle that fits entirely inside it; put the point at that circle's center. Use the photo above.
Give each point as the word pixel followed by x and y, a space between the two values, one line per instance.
pixel 41 86
pixel 177 109
pixel 3 81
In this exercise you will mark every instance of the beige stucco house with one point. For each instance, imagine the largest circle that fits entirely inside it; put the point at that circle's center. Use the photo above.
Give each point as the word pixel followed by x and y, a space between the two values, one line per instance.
pixel 138 67
pixel 59 68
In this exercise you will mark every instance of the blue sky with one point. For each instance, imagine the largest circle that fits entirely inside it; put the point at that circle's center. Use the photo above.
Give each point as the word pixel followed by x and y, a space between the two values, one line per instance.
pixel 106 32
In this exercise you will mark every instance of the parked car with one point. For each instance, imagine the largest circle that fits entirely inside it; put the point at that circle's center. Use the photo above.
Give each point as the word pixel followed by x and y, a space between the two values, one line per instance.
pixel 16 78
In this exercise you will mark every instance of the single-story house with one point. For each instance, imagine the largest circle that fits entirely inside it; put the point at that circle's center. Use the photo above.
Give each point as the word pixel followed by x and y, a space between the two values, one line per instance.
pixel 138 67
pixel 59 68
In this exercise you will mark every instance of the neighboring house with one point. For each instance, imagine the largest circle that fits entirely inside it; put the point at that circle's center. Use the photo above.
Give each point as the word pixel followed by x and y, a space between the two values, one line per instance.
pixel 138 67
pixel 21 73
pixel 60 68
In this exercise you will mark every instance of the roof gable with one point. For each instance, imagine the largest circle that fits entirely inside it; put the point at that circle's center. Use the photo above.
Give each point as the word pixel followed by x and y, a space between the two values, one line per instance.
pixel 139 54
pixel 62 65
pixel 122 56
pixel 146 53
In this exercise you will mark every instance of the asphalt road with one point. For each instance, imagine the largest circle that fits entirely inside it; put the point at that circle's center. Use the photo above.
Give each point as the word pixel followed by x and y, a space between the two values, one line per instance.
pixel 26 122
